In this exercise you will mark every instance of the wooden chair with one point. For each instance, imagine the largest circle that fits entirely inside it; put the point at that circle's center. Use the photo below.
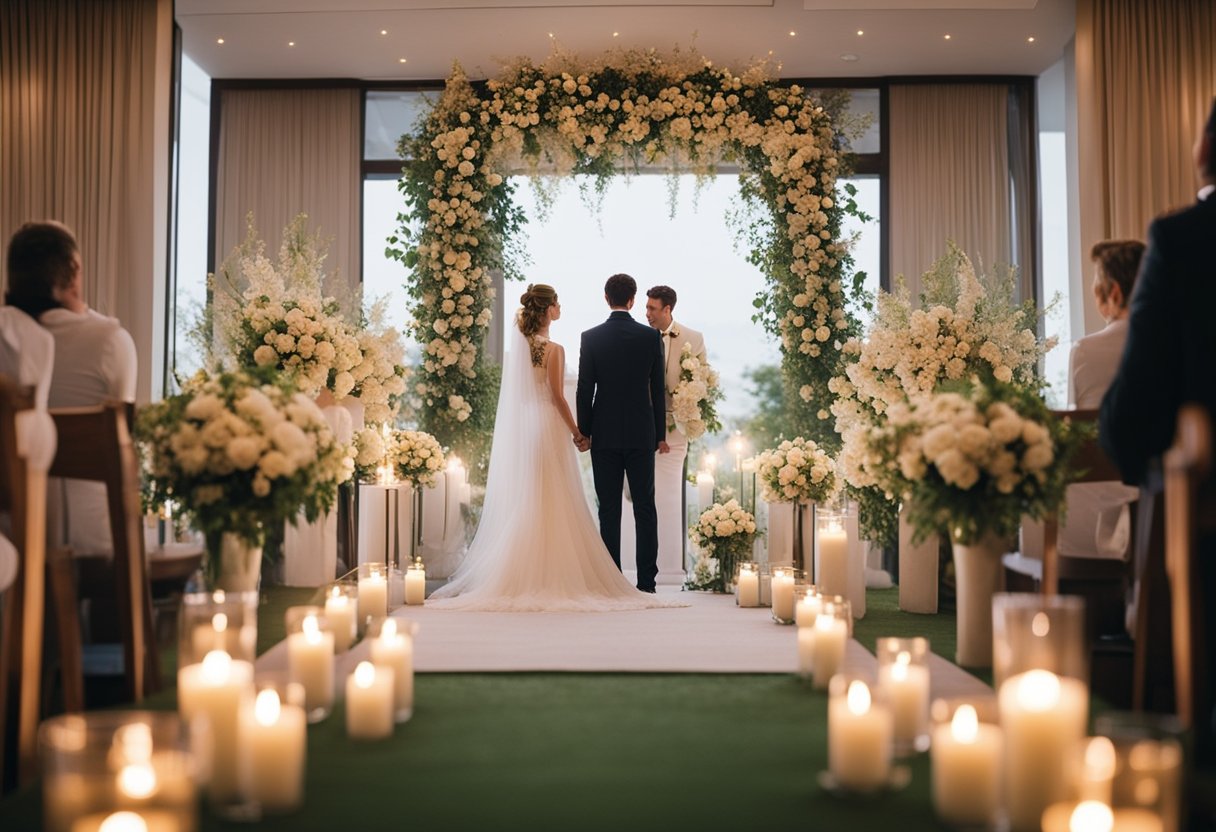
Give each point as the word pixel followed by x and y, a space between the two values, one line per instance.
pixel 23 484
pixel 95 444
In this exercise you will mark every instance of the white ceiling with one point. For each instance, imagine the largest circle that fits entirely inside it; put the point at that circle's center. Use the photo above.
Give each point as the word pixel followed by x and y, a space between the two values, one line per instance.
pixel 335 39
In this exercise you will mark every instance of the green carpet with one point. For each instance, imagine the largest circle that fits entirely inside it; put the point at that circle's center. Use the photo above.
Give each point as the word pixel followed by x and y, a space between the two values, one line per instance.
pixel 589 752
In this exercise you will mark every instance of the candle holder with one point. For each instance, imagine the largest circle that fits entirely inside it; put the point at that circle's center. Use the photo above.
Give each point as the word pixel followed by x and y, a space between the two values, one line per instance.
pixel 396 587
pixel 860 739
pixel 1036 632
pixel 1147 772
pixel 310 658
pixel 369 702
pixel 383 507
pixel 747 584
pixel 766 583
pixel 808 601
pixel 415 584
pixel 832 552
pixel 392 648
pixel 277 728
pixel 965 760
pixel 373 593
pixel 856 559
pixel 784 580
pixel 341 609
pixel 903 676
pixel 98 764
pixel 217 620
pixel 830 640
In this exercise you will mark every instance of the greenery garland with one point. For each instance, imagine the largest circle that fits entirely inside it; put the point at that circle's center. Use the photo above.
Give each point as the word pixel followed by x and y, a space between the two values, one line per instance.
pixel 627 110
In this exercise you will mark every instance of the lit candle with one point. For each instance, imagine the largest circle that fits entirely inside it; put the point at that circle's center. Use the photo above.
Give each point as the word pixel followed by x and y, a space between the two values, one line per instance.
pixel 210 636
pixel 369 702
pixel 705 490
pixel 808 607
pixel 859 737
pixel 965 758
pixel 373 595
pixel 415 583
pixel 832 566
pixel 340 611
pixel 125 821
pixel 393 649
pixel 749 585
pixel 277 741
pixel 827 650
pixel 783 595
pixel 906 687
pixel 310 662
pixel 1096 816
pixel 1044 717
pixel 218 689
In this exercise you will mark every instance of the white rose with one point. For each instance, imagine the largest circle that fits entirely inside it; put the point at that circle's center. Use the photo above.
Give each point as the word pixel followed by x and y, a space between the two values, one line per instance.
pixel 1037 457
pixel 265 355
pixel 203 406
pixel 244 452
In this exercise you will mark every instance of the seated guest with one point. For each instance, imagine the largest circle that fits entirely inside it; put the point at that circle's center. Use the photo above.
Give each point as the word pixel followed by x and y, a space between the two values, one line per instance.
pixel 1097 520
pixel 94 358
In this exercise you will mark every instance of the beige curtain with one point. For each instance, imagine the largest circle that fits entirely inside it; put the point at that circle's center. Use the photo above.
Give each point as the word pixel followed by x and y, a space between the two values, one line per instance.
pixel 1146 76
pixel 84 139
pixel 287 152
pixel 949 175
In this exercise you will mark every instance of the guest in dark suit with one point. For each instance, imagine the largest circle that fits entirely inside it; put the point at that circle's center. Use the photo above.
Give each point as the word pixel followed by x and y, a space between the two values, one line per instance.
pixel 622 415
pixel 1170 360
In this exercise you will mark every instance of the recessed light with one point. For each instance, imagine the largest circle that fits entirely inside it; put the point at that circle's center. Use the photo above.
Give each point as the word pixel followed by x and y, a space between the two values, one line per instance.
pixel 1030 39
pixel 401 60
pixel 219 40
pixel 848 56
pixel 550 34
pixel 792 33
pixel 291 43
pixel 860 32
pixel 947 37
pixel 616 34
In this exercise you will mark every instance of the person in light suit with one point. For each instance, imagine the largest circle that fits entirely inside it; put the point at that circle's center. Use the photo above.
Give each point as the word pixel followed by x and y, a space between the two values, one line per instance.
pixel 669 467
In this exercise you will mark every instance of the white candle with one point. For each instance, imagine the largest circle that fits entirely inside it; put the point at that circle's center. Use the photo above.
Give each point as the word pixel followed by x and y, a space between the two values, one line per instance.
pixel 310 661
pixel 394 649
pixel 373 598
pixel 277 742
pixel 806 651
pixel 783 596
pixel 340 612
pixel 832 567
pixel 807 609
pixel 906 687
pixel 415 584
pixel 218 689
pixel 831 634
pixel 1044 717
pixel 965 759
pixel 705 490
pixel 210 636
pixel 125 821
pixel 749 586
pixel 369 702
pixel 1095 816
pixel 859 739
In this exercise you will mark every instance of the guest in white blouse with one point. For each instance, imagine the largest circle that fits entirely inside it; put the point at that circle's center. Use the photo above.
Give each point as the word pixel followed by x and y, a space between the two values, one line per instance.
pixel 94 356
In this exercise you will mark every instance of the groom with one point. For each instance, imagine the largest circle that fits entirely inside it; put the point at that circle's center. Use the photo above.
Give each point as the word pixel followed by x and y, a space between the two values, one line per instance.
pixel 621 412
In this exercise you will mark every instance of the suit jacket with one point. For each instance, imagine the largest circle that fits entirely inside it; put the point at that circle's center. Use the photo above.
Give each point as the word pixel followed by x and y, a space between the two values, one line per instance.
pixel 678 336
pixel 1170 355
pixel 620 385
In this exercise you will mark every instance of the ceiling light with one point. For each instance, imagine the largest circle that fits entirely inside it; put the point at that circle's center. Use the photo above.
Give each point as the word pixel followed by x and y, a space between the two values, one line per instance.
pixel 291 43
pixel 848 56
pixel 219 40
pixel 792 33
pixel 1030 39
pixel 384 31
pixel 401 60
pixel 550 34
pixel 616 34
pixel 860 32
pixel 947 37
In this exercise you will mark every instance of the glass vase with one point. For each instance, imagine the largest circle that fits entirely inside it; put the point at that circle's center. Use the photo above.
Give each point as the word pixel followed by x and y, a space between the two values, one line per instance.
pixel 233 563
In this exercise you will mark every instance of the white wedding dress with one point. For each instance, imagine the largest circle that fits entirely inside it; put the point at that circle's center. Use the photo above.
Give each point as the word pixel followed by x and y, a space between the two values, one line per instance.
pixel 537 547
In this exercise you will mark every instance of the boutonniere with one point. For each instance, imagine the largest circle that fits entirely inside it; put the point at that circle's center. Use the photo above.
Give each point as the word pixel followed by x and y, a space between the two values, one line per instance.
pixel 673 333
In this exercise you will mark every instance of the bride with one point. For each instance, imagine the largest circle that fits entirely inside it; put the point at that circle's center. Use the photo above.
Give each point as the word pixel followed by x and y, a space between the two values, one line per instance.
pixel 537 547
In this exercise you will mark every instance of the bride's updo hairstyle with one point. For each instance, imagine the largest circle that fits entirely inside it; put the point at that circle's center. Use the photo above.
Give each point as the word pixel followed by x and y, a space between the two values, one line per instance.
pixel 534 308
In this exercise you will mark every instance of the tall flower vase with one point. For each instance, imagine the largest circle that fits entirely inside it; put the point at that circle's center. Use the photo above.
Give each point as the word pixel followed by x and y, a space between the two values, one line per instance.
pixel 233 563
pixel 977 572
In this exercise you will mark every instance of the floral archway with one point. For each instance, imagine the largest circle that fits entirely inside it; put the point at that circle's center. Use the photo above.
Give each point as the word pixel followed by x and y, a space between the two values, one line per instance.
pixel 622 111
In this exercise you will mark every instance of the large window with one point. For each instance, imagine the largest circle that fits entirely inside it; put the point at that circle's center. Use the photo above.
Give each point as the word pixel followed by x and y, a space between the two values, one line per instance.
pixel 192 217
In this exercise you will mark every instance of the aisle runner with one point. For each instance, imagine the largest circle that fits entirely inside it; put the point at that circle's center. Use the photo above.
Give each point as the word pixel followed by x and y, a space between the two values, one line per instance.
pixel 711 636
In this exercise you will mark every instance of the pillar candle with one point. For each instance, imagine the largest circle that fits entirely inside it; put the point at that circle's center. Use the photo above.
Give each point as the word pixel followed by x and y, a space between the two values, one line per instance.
pixel 369 702
pixel 145 820
pixel 831 634
pixel 859 738
pixel 393 649
pixel 749 587
pixel 783 596
pixel 965 759
pixel 218 689
pixel 1044 717
pixel 277 741
pixel 1097 816
pixel 373 598
pixel 807 608
pixel 340 611
pixel 415 584
pixel 906 687
pixel 705 490
pixel 310 662
pixel 832 567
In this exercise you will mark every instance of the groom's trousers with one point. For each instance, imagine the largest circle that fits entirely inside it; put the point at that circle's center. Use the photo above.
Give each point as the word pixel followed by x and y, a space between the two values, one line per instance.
pixel 610 467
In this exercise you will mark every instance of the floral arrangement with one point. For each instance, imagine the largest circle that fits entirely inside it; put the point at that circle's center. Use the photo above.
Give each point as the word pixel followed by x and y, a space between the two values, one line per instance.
pixel 976 461
pixel 694 399
pixel 967 326
pixel 797 470
pixel 417 457
pixel 587 118
pixel 240 453
pixel 371 451
pixel 723 534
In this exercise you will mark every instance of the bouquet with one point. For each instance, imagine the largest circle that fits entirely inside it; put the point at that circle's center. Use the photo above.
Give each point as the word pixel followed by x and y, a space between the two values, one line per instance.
pixel 305 338
pixel 695 398
pixel 724 534
pixel 240 453
pixel 416 457
pixel 796 471
pixel 976 461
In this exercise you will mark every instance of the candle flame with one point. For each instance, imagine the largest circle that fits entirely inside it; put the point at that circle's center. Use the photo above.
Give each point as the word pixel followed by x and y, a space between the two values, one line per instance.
pixel 1038 690
pixel 454 464
pixel 1100 759
pixel 388 629
pixel 336 593
pixel 834 527
pixel 123 822
pixel 312 629
pixel 137 781
pixel 219 622
pixel 365 675
pixel 267 707
pixel 217 665
pixel 1091 816
pixel 1040 625
pixel 218 596
pixel 899 670
pixel 965 727
pixel 858 698
pixel 823 622
pixel 134 742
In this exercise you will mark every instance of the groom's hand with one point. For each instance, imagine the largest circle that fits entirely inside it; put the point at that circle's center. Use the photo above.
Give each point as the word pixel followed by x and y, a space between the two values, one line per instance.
pixel 664 448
